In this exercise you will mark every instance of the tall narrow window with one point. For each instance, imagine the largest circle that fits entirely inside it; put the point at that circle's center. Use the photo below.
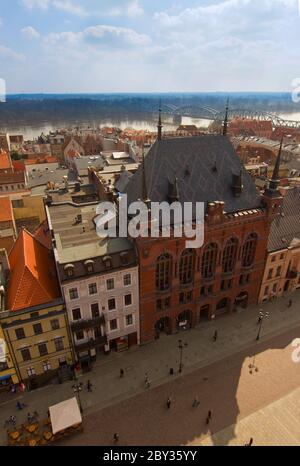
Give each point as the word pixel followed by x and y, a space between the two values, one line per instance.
pixel 186 266
pixel 249 250
pixel 163 272
pixel 229 255
pixel 209 260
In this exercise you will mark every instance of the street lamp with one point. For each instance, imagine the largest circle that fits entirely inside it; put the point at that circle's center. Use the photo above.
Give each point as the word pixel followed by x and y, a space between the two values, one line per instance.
pixel 262 315
pixel 181 346
pixel 77 388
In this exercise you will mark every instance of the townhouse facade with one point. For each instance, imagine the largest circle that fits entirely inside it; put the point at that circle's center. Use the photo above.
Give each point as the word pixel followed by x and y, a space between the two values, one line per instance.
pixel 34 321
pixel 99 282
pixel 8 374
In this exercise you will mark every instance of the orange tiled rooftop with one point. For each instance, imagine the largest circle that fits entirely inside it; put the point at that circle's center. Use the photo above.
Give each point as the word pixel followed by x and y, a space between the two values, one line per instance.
pixel 33 280
pixel 6 213
pixel 5 163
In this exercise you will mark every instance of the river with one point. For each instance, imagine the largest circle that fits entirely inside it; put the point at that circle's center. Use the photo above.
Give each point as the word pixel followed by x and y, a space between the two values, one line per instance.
pixel 31 132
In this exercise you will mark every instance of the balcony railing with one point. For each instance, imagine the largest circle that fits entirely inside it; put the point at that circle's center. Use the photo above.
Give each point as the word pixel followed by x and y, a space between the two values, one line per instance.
pixel 87 323
pixel 92 343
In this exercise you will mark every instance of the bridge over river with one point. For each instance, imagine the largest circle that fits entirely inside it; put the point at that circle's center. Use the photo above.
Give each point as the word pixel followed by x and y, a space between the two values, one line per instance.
pixel 209 113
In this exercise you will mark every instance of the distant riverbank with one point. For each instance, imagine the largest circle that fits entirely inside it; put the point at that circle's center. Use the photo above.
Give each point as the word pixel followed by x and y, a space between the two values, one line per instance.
pixel 32 115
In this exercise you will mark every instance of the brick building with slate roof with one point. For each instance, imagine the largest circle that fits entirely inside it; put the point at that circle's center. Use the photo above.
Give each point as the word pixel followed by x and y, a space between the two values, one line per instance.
pixel 180 287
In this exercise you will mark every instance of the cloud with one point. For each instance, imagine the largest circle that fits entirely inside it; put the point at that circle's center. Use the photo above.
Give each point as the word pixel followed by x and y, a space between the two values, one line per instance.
pixel 128 36
pixel 43 4
pixel 69 7
pixel 63 5
pixel 99 35
pixel 135 9
pixel 132 8
pixel 30 32
pixel 6 52
pixel 252 9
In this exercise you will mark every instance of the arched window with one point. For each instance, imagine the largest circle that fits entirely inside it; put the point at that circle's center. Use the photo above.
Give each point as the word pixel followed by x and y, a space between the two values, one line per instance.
pixel 186 266
pixel 209 260
pixel 249 249
pixel 163 272
pixel 229 255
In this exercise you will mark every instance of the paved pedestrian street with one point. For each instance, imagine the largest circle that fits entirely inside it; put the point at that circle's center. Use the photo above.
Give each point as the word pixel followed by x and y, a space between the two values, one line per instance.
pixel 226 388
pixel 276 424
pixel 217 372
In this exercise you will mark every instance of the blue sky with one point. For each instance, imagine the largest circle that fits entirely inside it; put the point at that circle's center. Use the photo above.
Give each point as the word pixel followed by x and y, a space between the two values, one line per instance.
pixel 149 45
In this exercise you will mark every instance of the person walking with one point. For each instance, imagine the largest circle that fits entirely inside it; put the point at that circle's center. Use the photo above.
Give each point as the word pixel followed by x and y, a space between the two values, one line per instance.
pixel 250 443
pixel 215 335
pixel 147 382
pixel 196 402
pixel 121 373
pixel 89 386
pixel 290 303
pixel 208 419
pixel 116 437
pixel 168 403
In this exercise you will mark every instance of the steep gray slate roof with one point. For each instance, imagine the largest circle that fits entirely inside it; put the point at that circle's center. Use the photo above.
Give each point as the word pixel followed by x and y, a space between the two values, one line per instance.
pixel 286 226
pixel 205 167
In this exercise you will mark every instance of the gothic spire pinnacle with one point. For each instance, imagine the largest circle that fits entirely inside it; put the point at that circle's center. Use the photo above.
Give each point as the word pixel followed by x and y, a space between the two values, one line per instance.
pixel 225 124
pixel 159 126
pixel 274 182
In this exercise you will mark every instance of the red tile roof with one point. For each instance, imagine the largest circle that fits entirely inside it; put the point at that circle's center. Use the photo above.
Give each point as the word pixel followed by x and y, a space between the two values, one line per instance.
pixel 18 165
pixel 33 279
pixel 16 177
pixel 41 160
pixel 5 162
pixel 6 212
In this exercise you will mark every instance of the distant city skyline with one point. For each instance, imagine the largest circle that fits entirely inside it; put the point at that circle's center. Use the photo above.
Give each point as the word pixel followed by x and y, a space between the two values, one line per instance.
pixel 113 46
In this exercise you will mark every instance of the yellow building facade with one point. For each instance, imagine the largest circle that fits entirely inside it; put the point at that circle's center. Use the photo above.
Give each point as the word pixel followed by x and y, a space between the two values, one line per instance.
pixel 28 211
pixel 38 342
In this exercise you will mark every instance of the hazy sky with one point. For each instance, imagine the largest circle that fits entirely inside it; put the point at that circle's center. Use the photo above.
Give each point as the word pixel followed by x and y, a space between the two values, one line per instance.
pixel 149 45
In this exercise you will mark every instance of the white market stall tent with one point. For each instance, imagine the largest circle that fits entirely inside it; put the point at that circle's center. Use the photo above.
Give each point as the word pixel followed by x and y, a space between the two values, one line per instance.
pixel 64 415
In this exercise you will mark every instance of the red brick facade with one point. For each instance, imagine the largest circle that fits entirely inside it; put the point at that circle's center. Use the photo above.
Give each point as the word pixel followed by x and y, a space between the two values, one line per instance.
pixel 218 229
